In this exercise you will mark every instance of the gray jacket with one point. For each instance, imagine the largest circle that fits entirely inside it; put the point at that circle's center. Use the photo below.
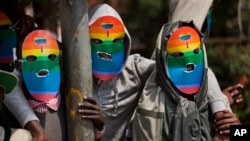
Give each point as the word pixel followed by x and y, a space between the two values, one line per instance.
pixel 118 97
pixel 168 115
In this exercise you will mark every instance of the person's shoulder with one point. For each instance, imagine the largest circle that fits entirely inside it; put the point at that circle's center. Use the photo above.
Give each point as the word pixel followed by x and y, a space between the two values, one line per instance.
pixel 140 64
pixel 139 58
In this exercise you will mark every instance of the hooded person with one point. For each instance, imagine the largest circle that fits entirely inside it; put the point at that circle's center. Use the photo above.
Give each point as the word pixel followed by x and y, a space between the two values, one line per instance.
pixel 187 11
pixel 174 102
pixel 118 77
pixel 39 68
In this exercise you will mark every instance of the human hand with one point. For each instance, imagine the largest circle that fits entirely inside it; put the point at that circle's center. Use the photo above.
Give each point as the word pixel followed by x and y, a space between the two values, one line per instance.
pixel 42 136
pixel 234 94
pixel 223 123
pixel 36 130
pixel 218 137
pixel 90 110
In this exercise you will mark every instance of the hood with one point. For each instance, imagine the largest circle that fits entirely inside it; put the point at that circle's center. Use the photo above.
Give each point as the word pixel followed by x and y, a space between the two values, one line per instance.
pixel 101 10
pixel 160 51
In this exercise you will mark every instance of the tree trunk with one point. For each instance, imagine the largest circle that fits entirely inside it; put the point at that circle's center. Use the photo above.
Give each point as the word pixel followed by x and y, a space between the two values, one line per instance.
pixel 76 66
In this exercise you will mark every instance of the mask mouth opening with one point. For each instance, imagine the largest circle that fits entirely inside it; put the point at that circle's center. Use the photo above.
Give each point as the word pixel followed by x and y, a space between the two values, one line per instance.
pixel 189 67
pixel 105 56
pixel 42 73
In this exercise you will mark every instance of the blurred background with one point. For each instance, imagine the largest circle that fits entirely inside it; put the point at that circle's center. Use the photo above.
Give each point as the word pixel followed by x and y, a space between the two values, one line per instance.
pixel 228 43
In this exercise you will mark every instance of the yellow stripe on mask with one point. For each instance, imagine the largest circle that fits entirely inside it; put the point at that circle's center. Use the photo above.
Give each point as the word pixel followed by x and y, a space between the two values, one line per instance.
pixel 37 52
pixel 183 48
pixel 104 36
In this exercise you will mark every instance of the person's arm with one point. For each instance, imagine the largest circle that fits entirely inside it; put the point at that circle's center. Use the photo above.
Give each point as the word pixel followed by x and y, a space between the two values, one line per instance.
pixel 217 100
pixel 218 137
pixel 19 107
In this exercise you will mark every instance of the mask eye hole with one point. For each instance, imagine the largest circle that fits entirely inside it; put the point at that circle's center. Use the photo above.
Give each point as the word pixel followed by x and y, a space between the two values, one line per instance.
pixel 177 54
pixel 117 40
pixel 96 41
pixel 196 50
pixel 52 57
pixel 31 58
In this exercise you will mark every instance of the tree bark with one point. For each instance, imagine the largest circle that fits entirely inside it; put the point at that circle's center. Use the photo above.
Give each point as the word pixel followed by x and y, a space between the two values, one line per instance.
pixel 76 66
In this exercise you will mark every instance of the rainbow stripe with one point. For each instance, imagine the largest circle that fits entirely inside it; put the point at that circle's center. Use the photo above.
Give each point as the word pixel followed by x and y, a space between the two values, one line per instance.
pixel 107 31
pixel 4 20
pixel 40 39
pixel 184 39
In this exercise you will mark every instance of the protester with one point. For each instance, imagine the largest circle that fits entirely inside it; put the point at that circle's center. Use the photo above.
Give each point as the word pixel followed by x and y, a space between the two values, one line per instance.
pixel 39 68
pixel 187 11
pixel 118 76
pixel 176 95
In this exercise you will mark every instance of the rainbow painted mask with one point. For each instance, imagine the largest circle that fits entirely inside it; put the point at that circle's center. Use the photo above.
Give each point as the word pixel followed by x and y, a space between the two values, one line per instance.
pixel 107 34
pixel 185 60
pixel 41 68
pixel 8 39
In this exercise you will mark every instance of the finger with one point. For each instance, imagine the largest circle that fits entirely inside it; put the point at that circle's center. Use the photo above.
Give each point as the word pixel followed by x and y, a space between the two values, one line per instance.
pixel 87 105
pixel 225 132
pixel 238 89
pixel 239 86
pixel 235 92
pixel 238 96
pixel 90 117
pixel 88 112
pixel 226 118
pixel 230 88
pixel 226 126
pixel 239 100
pixel 223 124
pixel 90 99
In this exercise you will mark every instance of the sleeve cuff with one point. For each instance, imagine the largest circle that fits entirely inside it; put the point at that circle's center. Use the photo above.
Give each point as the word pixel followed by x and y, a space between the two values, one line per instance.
pixel 217 106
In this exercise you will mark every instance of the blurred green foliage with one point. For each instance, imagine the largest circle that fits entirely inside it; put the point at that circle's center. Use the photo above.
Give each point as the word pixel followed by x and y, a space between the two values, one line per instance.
pixel 143 21
pixel 230 62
